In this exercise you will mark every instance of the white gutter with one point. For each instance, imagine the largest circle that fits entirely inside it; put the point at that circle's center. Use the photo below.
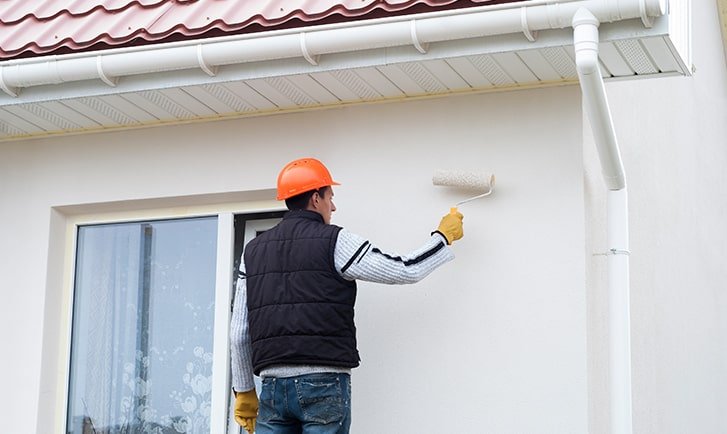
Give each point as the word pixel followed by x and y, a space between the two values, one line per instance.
pixel 585 35
pixel 310 43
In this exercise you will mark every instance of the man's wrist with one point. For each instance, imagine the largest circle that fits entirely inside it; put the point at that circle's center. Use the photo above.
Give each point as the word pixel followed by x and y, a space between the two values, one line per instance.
pixel 444 237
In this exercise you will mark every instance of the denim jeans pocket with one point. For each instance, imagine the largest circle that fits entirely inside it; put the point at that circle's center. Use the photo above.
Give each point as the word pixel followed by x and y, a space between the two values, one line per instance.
pixel 321 398
pixel 267 411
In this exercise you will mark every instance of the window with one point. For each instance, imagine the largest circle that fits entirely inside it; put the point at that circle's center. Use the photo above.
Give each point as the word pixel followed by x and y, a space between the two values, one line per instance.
pixel 149 326
pixel 141 352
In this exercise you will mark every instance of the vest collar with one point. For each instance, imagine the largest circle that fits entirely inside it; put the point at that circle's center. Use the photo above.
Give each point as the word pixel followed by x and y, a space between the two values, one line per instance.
pixel 303 214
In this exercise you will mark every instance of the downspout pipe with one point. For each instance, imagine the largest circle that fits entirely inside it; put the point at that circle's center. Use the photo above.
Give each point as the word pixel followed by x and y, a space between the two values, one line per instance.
pixel 311 43
pixel 585 35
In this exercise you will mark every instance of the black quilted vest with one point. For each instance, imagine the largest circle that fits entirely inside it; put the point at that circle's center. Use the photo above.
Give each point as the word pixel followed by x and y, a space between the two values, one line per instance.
pixel 300 309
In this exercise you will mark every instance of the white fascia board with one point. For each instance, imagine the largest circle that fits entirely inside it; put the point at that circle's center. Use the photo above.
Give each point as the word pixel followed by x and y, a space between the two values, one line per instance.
pixel 513 42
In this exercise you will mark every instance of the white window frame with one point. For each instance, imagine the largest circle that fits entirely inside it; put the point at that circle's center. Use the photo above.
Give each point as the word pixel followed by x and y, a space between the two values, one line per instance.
pixel 224 287
pixel 251 229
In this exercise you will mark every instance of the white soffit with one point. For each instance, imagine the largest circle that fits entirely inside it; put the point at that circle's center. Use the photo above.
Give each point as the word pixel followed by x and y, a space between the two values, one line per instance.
pixel 628 50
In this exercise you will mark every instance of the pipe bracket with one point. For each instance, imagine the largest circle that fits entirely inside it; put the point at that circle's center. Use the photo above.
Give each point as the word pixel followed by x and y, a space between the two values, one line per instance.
pixel 313 60
pixel 614 252
pixel 111 81
pixel 645 18
pixel 532 36
pixel 422 48
pixel 12 91
pixel 206 67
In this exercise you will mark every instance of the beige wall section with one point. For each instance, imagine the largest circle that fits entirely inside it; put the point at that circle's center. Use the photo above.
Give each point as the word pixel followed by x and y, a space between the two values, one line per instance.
pixel 673 138
pixel 493 342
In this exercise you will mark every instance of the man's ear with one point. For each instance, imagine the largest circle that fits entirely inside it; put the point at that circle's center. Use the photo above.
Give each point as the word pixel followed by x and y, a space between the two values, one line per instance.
pixel 313 201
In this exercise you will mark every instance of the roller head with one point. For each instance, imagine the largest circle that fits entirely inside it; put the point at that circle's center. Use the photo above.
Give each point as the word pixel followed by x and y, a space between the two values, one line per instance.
pixel 468 180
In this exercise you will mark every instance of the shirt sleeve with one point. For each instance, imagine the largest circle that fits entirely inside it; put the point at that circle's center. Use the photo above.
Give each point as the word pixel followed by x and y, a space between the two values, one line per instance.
pixel 357 258
pixel 240 347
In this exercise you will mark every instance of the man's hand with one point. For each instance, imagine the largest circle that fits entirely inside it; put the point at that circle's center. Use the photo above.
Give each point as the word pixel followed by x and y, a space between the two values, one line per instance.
pixel 246 405
pixel 451 227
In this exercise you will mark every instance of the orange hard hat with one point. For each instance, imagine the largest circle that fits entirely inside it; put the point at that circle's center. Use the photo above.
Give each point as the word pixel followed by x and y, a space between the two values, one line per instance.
pixel 304 174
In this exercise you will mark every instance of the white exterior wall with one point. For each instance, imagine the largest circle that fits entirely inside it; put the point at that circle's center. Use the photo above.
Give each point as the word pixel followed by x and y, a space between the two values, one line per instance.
pixel 493 342
pixel 673 138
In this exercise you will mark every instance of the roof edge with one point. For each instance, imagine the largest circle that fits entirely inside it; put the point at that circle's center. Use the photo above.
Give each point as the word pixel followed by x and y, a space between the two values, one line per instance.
pixel 417 30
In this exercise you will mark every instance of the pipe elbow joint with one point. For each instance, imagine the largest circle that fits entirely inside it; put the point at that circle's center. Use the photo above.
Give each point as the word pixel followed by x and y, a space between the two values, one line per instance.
pixel 584 17
pixel 587 62
pixel 585 41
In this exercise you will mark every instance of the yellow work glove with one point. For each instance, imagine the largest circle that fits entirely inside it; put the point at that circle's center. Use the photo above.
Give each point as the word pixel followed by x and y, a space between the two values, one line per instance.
pixel 451 227
pixel 246 409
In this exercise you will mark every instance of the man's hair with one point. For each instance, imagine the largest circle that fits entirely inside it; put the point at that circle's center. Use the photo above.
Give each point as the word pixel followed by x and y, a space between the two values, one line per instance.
pixel 301 201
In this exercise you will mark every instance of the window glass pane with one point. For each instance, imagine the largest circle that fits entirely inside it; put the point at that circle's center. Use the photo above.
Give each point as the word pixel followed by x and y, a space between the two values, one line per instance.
pixel 143 312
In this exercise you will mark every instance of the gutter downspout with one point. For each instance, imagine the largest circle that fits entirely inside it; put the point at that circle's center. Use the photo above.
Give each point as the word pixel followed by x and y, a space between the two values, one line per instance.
pixel 310 43
pixel 585 34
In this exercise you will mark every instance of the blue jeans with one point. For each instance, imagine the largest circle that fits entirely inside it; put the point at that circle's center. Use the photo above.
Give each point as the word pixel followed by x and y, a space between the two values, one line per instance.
pixel 307 404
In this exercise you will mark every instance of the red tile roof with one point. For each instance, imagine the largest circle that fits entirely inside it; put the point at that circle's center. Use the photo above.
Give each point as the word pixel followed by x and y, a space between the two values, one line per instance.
pixel 31 28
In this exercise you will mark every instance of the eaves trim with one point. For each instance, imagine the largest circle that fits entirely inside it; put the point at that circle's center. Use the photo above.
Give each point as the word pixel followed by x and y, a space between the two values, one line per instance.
pixel 494 48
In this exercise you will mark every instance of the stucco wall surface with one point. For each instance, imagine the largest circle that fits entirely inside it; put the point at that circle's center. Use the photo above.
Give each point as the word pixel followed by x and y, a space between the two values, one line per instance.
pixel 493 342
pixel 673 137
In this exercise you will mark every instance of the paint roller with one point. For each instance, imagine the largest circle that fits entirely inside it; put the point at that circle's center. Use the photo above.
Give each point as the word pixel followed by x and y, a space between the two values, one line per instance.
pixel 473 181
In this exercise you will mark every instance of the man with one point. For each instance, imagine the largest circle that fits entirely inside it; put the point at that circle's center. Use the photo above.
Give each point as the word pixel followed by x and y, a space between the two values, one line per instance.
pixel 293 316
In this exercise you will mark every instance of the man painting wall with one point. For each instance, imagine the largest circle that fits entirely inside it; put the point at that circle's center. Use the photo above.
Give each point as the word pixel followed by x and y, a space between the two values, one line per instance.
pixel 293 318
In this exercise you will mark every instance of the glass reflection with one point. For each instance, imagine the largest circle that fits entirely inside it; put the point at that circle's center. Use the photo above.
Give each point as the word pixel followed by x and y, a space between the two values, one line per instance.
pixel 141 356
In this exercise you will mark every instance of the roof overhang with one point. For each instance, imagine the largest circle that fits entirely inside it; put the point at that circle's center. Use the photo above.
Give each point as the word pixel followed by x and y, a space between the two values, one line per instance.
pixel 510 46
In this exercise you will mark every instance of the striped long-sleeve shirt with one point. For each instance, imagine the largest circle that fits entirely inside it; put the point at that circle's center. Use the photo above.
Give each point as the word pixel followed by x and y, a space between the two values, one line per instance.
pixel 355 259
